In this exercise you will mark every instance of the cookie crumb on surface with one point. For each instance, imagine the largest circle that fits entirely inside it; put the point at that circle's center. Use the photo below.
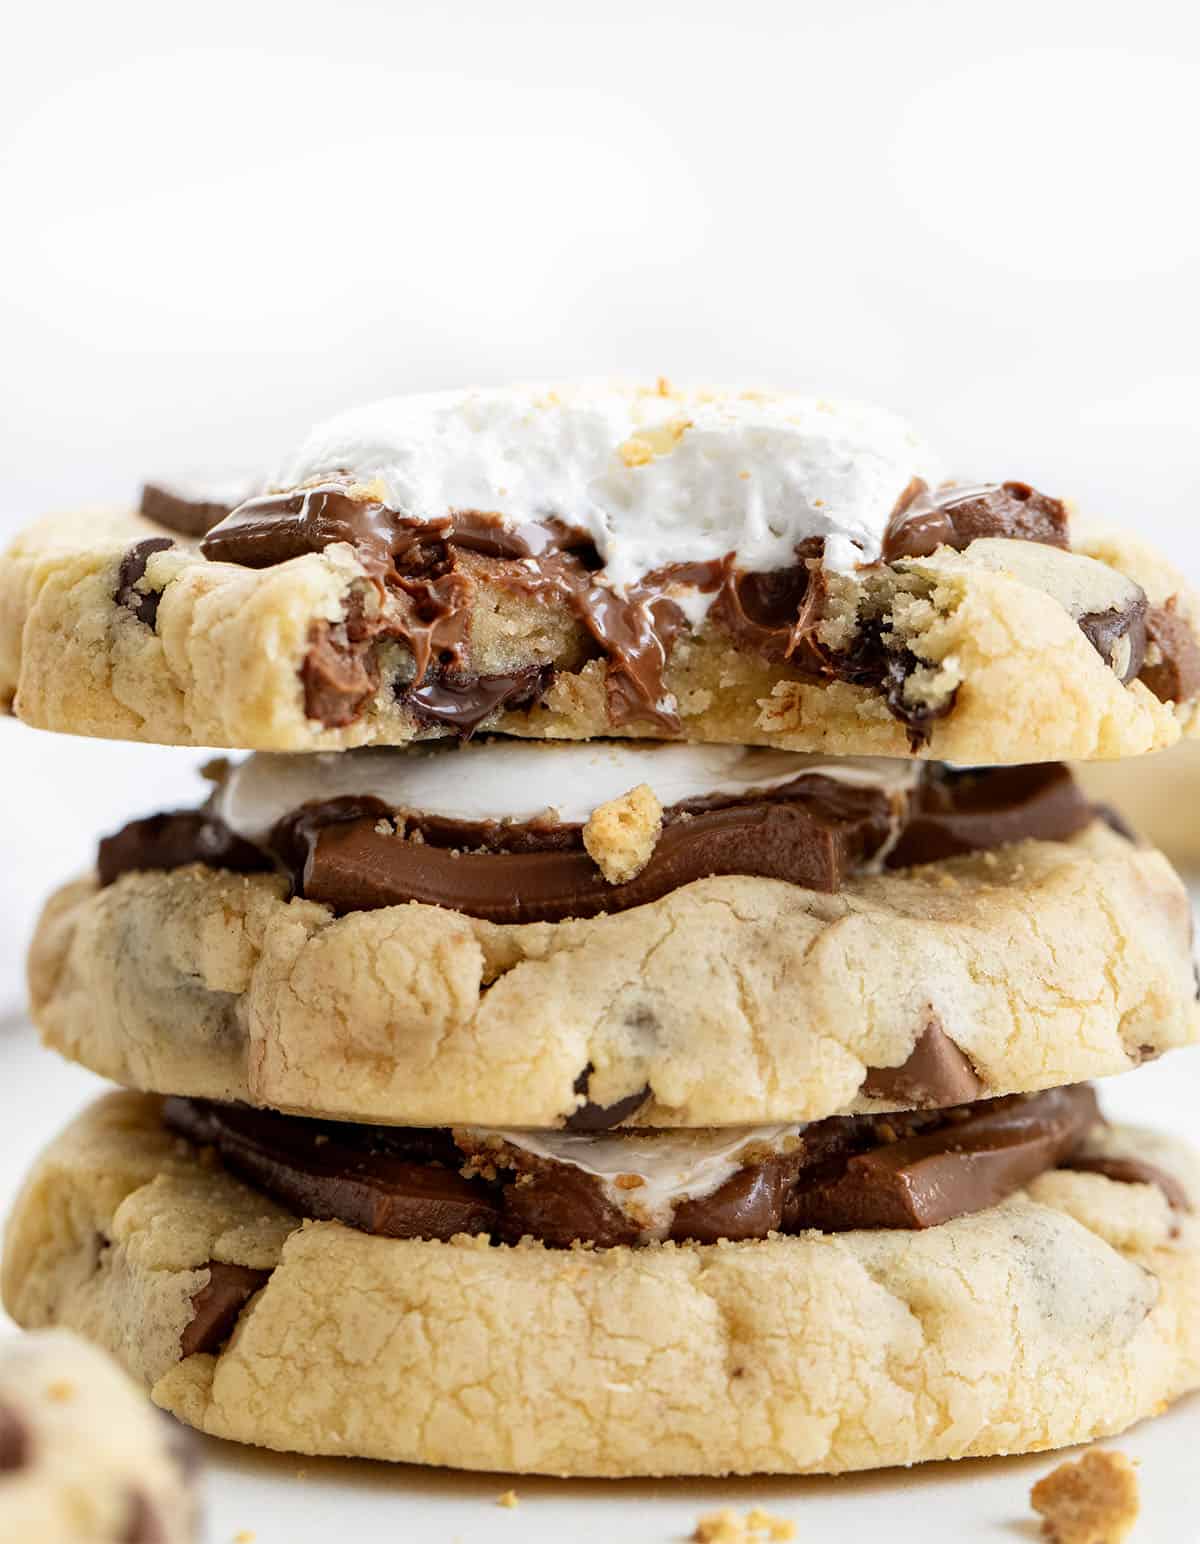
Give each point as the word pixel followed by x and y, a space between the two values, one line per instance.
pixel 1093 1501
pixel 621 835
pixel 726 1527
pixel 509 1499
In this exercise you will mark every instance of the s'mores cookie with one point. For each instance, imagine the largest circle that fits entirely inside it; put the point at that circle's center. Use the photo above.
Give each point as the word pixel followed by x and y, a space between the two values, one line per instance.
pixel 590 560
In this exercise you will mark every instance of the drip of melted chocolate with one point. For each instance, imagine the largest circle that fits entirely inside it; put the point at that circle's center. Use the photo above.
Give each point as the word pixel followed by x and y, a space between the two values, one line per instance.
pixel 909 1170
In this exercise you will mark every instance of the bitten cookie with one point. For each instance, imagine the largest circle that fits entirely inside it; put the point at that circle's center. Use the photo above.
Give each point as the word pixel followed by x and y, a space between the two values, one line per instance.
pixel 728 1000
pixel 739 567
pixel 84 1457
pixel 1064 1313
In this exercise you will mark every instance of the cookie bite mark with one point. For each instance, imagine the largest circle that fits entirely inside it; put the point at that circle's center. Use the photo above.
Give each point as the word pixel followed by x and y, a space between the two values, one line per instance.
pixel 218 1304
pixel 935 1073
pixel 131 591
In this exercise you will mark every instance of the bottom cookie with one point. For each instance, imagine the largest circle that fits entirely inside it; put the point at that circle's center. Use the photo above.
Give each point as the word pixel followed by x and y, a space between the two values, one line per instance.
pixel 1064 1313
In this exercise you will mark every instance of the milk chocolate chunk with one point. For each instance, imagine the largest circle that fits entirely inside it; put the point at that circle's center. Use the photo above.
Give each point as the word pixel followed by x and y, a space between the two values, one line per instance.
pixel 559 1205
pixel 339 674
pixel 277 527
pixel 143 603
pixel 1172 666
pixel 353 867
pixel 191 512
pixel 325 1176
pixel 750 1204
pixel 16 1440
pixel 602 1117
pixel 955 812
pixel 921 1181
pixel 215 1308
pixel 956 516
pixel 1132 1171
pixel 935 1074
pixel 1118 635
pixel 172 841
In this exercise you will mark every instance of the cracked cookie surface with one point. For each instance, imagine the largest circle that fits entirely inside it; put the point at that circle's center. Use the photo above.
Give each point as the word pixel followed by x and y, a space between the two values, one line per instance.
pixel 194 652
pixel 731 1000
pixel 1064 1314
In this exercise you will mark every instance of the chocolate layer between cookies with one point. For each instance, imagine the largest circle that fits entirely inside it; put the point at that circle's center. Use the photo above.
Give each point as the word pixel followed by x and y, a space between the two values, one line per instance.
pixel 909 1170
pixel 357 852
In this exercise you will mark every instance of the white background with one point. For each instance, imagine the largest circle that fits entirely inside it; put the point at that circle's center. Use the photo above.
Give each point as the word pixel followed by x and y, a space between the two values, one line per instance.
pixel 221 222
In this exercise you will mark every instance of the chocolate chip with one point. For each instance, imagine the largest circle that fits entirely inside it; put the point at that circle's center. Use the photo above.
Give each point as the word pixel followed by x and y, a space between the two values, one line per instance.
pixel 934 1074
pixel 146 1524
pixel 602 1117
pixel 143 603
pixel 215 1308
pixel 460 701
pixel 16 1440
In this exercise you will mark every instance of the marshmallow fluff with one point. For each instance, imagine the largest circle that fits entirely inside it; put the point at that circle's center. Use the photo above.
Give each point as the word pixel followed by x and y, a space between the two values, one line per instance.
pixel 655 476
pixel 669 1166
pixel 518 780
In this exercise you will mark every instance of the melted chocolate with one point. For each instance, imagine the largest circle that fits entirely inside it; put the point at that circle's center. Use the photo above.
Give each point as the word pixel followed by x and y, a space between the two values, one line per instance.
pixel 217 1305
pixel 911 1170
pixel 143 603
pixel 461 701
pixel 955 517
pixel 1175 674
pixel 1105 630
pixel 172 841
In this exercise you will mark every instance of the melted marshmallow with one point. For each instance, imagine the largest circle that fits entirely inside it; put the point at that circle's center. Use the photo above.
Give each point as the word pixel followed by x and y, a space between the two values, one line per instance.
pixel 654 478
pixel 672 1165
pixel 519 780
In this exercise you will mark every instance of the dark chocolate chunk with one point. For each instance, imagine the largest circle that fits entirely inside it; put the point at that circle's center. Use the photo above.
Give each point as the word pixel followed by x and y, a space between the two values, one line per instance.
pixel 935 1074
pixel 921 1181
pixel 602 1117
pixel 951 813
pixel 16 1440
pixel 146 1524
pixel 217 1305
pixel 171 841
pixel 461 701
pixel 1132 1171
pixel 955 517
pixel 1174 674
pixel 143 603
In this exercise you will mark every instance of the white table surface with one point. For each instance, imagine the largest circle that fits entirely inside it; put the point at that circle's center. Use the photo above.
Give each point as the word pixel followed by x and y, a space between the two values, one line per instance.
pixel 283 1499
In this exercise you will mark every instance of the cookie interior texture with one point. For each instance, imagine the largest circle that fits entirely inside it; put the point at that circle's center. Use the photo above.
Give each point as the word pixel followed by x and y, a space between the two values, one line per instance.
pixel 1064 1312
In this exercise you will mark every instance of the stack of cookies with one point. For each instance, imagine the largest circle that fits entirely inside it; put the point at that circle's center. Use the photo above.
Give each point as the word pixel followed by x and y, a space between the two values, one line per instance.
pixel 635 1010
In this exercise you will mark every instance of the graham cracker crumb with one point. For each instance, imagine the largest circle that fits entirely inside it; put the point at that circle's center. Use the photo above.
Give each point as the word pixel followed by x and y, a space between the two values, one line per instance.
pixel 621 835
pixel 726 1527
pixel 1094 1501
pixel 509 1499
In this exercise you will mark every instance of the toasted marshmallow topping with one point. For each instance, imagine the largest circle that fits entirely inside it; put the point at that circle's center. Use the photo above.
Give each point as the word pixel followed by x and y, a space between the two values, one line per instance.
pixel 654 476
pixel 519 780
pixel 647 1173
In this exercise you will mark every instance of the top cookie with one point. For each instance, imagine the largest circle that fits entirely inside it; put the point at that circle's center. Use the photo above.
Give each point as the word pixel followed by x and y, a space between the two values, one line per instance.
pixel 598 560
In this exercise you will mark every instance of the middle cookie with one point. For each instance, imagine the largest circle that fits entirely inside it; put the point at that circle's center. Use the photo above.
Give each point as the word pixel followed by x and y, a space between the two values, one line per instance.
pixel 514 934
